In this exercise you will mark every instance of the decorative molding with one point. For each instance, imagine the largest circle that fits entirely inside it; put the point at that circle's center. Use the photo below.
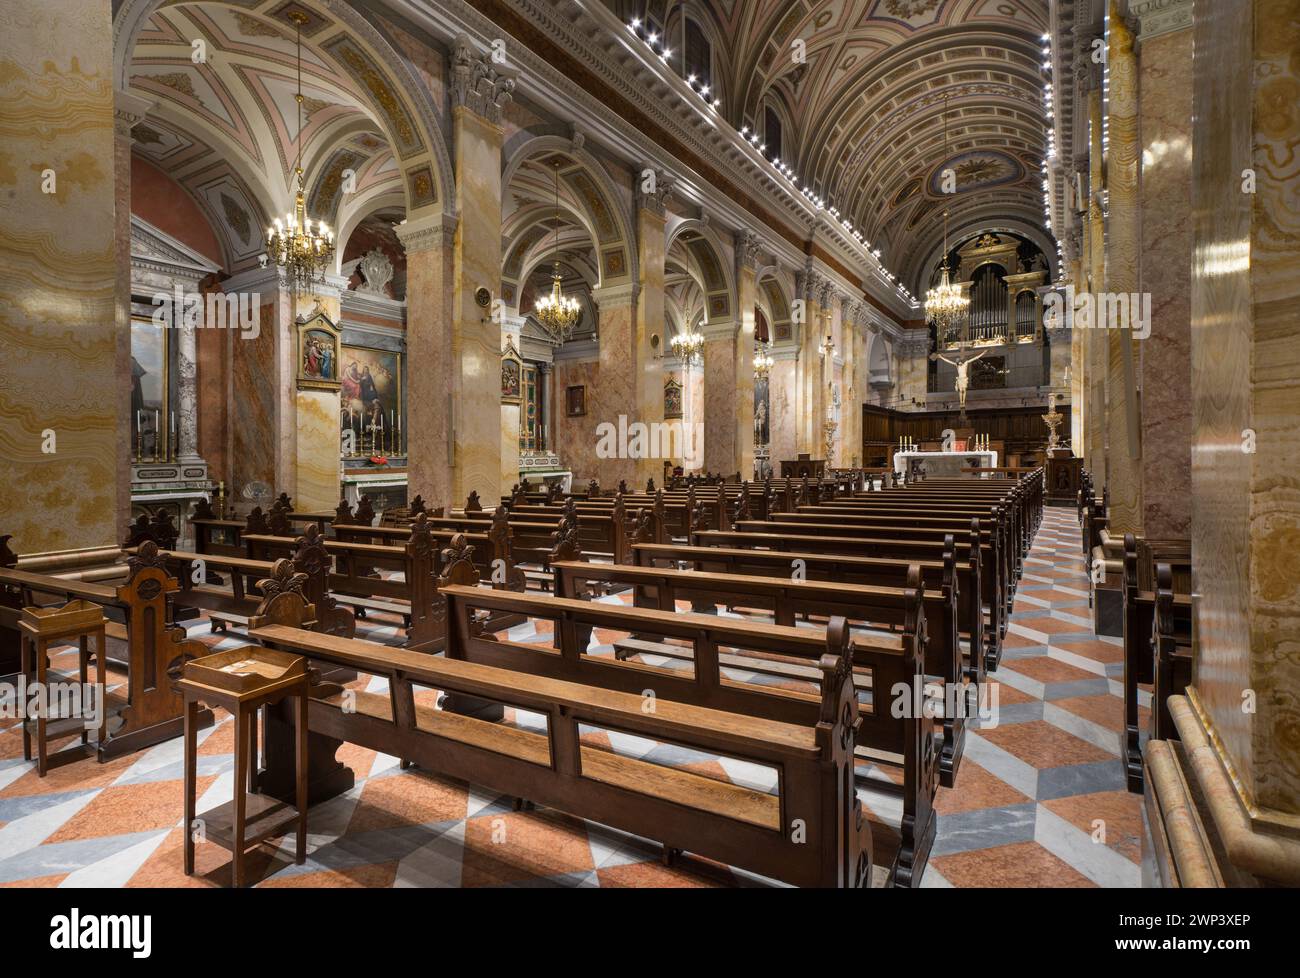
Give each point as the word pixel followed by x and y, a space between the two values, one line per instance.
pixel 1157 17
pixel 656 201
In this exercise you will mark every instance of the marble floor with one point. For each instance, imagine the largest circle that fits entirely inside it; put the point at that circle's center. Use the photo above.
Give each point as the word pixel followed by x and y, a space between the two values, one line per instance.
pixel 1039 800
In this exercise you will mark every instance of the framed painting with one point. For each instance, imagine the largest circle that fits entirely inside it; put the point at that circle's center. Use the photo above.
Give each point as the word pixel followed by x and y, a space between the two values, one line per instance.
pixel 672 400
pixel 370 396
pixel 576 401
pixel 512 375
pixel 150 415
pixel 319 353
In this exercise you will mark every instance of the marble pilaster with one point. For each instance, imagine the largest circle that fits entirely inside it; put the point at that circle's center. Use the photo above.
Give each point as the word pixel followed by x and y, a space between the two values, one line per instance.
pixel 783 388
pixel 1095 339
pixel 647 364
pixel 61 379
pixel 721 356
pixel 478 95
pixel 1245 350
pixel 743 398
pixel 613 395
pixel 1123 248
pixel 1165 107
pixel 430 252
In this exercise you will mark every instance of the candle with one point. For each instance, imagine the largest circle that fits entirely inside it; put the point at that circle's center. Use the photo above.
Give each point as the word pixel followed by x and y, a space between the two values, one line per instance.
pixel 155 433
pixel 173 440
pixel 399 434
pixel 392 423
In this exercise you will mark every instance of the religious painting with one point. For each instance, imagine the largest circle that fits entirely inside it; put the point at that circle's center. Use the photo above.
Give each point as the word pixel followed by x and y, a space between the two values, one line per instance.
pixel 149 379
pixel 512 375
pixel 319 352
pixel 370 399
pixel 672 400
pixel 576 400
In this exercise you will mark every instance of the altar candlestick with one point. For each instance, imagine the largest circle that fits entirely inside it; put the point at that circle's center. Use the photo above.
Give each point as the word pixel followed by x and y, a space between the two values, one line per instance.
pixel 399 434
pixel 172 446
pixel 155 433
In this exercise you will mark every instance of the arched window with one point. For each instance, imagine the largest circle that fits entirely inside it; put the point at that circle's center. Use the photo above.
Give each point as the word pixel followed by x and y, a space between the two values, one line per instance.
pixel 699 54
pixel 772 134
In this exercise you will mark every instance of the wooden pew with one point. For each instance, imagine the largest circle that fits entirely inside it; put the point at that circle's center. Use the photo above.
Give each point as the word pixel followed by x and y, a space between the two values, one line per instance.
pixel 787 600
pixel 969 551
pixel 908 741
pixel 1143 640
pixel 152 650
pixel 812 834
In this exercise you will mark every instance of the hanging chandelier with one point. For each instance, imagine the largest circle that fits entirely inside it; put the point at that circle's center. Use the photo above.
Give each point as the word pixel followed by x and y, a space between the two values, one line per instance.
pixel 302 250
pixel 947 302
pixel 557 312
pixel 763 361
pixel 689 346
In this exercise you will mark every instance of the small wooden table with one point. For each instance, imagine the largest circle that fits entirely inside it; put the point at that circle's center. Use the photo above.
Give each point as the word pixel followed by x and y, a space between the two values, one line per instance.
pixel 243 680
pixel 78 620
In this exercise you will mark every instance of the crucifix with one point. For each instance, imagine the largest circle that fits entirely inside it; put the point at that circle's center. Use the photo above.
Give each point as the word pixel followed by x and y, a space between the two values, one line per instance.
pixel 962 363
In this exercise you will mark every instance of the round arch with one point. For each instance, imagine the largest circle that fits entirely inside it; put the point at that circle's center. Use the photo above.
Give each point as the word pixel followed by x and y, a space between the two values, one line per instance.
pixel 133 15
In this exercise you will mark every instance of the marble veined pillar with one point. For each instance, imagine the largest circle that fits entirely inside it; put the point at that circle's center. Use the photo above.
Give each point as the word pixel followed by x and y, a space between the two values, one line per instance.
pixel 721 356
pixel 1240 720
pixel 61 374
pixel 1095 339
pixel 478 93
pixel 1123 246
pixel 647 361
pixel 430 248
pixel 743 399
pixel 1165 108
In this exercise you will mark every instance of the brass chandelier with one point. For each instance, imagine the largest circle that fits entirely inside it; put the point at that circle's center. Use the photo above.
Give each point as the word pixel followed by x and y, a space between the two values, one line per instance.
pixel 688 345
pixel 303 251
pixel 763 361
pixel 946 303
pixel 557 312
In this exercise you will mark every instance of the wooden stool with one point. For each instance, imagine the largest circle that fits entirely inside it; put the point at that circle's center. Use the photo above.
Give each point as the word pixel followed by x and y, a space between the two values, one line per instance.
pixel 243 681
pixel 40 628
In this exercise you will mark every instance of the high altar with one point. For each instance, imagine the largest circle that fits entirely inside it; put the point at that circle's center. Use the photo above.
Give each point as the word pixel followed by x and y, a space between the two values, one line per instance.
pixel 943 465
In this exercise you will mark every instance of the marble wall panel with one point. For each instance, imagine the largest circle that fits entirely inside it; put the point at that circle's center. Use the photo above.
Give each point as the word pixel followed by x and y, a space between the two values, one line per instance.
pixel 257 390
pixel 59 329
pixel 429 372
pixel 783 398
pixel 720 405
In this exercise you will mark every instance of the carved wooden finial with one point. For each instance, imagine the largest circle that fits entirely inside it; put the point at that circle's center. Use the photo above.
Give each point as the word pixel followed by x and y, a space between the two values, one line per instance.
pixel 145 557
pixel 343 513
pixel 283 580
pixel 593 489
pixel 421 542
pixel 458 564
pixel 203 510
pixel 256 522
pixel 566 543
pixel 645 527
pixel 284 502
pixel 365 512
pixel 279 522
pixel 650 486
pixel 472 505
pixel 417 506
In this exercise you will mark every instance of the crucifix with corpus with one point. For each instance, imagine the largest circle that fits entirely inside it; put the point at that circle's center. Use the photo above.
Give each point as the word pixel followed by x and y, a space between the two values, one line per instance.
pixel 962 363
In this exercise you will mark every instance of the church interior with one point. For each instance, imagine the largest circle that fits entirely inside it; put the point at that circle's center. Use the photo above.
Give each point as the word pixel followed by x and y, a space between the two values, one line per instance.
pixel 650 443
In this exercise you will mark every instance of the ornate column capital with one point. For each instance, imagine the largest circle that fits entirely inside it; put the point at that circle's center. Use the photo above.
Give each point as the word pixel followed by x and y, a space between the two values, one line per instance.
pixel 426 234
pixel 747 249
pixel 476 82
pixel 129 109
pixel 654 189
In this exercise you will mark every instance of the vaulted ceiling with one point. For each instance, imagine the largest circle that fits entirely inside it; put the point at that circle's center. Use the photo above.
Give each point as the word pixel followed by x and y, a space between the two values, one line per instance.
pixel 864 111
pixel 224 122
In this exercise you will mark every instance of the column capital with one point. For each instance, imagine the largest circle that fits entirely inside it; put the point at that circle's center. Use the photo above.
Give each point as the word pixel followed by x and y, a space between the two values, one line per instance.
pixel 427 233
pixel 612 295
pixel 129 109
pixel 654 188
pixel 747 249
pixel 477 83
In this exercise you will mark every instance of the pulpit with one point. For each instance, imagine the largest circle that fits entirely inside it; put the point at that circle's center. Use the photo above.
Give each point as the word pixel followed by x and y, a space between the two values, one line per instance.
pixel 1063 476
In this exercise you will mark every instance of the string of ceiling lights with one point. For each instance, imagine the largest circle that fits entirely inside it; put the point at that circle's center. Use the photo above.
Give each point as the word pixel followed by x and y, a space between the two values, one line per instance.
pixel 1049 105
pixel 658 45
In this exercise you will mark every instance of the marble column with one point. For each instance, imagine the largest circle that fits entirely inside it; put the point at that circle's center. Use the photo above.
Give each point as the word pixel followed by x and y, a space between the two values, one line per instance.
pixel 612 398
pixel 1242 712
pixel 743 400
pixel 647 361
pixel 61 379
pixel 1123 247
pixel 544 407
pixel 1165 109
pixel 854 385
pixel 130 110
pixel 430 250
pixel 478 92
pixel 512 328
pixel 721 356
pixel 1095 339
pixel 315 458
pixel 1078 363
pixel 783 399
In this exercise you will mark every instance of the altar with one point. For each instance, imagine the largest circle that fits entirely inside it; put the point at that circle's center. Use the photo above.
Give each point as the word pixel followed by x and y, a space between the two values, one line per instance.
pixel 943 465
